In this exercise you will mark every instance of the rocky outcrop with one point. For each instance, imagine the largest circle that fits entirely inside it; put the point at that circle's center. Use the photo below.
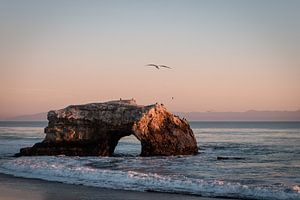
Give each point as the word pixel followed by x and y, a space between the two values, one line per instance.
pixel 95 129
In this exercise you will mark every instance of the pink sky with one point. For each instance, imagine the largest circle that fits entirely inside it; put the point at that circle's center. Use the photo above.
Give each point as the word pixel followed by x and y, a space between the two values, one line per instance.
pixel 224 58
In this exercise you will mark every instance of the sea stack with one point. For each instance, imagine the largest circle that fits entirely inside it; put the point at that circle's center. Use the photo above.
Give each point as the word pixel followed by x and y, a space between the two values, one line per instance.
pixel 94 130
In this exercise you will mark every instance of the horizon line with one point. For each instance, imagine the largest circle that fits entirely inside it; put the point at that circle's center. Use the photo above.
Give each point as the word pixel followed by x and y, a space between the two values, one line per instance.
pixel 12 118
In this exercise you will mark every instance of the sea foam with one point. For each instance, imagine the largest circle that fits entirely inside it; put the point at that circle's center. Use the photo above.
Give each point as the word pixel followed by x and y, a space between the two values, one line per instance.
pixel 74 170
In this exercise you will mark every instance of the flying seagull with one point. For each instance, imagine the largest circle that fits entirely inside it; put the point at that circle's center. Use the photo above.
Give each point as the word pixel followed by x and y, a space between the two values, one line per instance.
pixel 152 65
pixel 165 66
pixel 158 66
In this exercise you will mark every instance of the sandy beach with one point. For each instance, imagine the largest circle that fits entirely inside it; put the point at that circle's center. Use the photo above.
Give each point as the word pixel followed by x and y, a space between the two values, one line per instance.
pixel 15 188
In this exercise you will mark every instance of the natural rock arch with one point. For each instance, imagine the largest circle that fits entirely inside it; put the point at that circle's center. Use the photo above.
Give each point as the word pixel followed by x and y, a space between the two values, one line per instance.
pixel 128 146
pixel 95 129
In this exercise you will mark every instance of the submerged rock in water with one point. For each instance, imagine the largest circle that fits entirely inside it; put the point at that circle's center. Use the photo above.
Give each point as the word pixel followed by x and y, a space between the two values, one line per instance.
pixel 94 130
pixel 229 158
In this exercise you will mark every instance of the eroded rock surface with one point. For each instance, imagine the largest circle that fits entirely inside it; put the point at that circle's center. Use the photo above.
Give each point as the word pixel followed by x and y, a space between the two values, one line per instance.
pixel 95 129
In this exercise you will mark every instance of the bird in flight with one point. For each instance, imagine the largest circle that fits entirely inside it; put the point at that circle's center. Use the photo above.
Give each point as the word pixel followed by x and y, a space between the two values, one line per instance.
pixel 165 66
pixel 158 66
pixel 153 65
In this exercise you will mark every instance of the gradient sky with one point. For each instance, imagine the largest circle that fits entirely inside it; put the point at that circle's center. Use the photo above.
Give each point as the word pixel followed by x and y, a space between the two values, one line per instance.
pixel 226 55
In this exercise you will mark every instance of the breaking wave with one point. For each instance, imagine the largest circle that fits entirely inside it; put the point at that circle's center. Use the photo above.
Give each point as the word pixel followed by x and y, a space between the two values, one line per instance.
pixel 85 171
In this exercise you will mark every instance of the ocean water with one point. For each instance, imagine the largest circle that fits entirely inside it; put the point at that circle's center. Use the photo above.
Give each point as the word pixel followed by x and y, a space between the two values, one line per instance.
pixel 263 162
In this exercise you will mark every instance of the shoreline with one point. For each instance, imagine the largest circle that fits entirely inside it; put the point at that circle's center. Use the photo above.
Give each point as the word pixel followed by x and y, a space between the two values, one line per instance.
pixel 17 188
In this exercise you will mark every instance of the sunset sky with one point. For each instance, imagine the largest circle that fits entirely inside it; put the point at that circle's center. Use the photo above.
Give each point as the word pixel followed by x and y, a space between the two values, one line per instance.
pixel 226 55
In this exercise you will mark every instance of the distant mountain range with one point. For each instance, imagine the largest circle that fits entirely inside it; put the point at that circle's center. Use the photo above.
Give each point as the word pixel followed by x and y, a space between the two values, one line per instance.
pixel 34 117
pixel 251 115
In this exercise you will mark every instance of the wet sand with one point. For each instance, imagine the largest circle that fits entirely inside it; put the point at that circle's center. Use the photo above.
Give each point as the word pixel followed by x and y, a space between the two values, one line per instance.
pixel 14 188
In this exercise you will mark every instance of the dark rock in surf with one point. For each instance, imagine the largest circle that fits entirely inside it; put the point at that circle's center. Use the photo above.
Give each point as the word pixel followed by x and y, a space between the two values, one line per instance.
pixel 94 130
pixel 229 158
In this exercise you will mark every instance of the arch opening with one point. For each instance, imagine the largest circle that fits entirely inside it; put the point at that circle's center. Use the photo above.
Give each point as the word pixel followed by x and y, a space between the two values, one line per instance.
pixel 128 146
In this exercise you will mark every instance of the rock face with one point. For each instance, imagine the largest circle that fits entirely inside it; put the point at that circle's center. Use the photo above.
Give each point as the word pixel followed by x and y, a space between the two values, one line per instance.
pixel 95 129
